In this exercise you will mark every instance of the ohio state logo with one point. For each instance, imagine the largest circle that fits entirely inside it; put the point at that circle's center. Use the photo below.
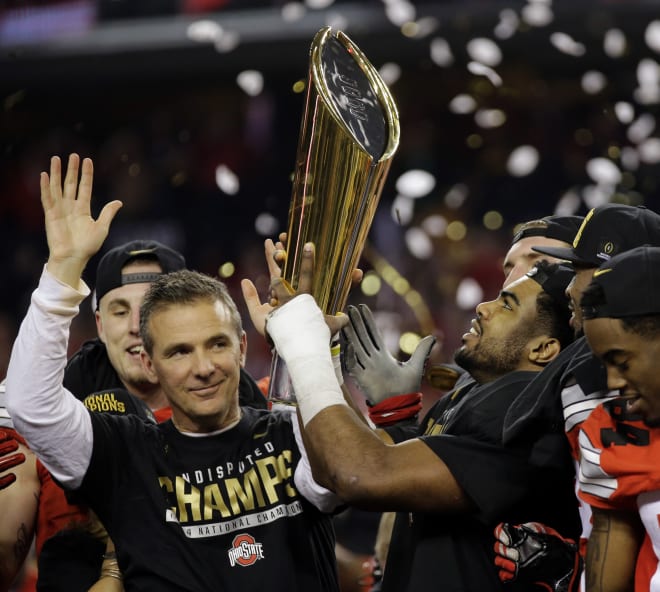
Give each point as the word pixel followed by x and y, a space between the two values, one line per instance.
pixel 244 551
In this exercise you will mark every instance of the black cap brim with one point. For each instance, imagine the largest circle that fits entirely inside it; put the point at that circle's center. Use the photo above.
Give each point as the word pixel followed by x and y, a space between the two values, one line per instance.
pixel 563 253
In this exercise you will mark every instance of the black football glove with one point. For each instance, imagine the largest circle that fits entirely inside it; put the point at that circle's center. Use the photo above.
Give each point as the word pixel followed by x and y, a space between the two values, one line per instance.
pixel 535 554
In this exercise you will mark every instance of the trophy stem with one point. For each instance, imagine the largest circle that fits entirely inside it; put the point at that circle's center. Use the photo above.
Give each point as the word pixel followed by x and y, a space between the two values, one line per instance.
pixel 280 389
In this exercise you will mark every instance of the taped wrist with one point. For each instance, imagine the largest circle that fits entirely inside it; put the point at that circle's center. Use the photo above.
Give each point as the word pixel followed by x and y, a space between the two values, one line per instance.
pixel 302 339
pixel 395 409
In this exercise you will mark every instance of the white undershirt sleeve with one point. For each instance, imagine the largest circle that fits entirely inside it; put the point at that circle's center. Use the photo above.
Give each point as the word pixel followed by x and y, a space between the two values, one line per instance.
pixel 55 424
pixel 323 499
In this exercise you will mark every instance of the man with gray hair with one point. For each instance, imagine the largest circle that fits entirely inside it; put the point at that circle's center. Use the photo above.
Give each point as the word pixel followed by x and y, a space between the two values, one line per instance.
pixel 220 496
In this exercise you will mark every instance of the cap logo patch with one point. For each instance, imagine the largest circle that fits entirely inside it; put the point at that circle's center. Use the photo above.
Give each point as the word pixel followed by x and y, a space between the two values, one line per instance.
pixel 606 250
pixel 245 550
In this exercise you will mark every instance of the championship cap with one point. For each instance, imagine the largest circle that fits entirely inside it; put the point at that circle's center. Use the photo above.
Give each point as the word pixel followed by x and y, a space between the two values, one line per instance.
pixel 607 230
pixel 563 228
pixel 553 279
pixel 630 284
pixel 109 271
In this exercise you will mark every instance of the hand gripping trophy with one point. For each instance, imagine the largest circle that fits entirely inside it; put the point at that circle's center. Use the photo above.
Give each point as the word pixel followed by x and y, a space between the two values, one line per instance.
pixel 348 136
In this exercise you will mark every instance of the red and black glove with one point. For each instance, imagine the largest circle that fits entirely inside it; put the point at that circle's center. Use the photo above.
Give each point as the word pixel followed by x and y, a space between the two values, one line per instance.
pixel 534 554
pixel 8 444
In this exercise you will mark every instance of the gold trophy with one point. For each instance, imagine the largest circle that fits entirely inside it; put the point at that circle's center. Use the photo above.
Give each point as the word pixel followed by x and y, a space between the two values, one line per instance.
pixel 348 135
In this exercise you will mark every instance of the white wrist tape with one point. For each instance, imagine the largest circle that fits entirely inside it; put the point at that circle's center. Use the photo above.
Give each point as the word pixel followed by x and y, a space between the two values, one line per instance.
pixel 302 339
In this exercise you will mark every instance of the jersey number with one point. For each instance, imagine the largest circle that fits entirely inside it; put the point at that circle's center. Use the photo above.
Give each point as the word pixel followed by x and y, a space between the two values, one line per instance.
pixel 624 433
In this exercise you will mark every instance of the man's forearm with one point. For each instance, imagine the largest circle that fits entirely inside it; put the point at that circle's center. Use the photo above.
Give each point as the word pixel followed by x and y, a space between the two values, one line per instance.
pixel 19 509
pixel 56 426
pixel 612 551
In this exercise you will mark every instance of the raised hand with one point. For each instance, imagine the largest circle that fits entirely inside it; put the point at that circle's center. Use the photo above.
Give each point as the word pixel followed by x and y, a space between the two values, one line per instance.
pixel 365 357
pixel 258 310
pixel 73 235
pixel 282 292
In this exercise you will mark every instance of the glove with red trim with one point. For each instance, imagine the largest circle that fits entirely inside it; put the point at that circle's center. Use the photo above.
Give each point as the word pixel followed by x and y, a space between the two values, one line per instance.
pixel 391 387
pixel 534 554
pixel 8 444
pixel 395 409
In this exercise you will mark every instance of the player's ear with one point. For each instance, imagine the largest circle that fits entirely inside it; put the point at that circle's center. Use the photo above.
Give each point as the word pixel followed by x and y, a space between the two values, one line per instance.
pixel 148 366
pixel 243 346
pixel 99 325
pixel 543 349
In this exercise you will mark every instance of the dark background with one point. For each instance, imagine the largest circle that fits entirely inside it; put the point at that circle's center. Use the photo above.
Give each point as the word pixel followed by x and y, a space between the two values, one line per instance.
pixel 123 83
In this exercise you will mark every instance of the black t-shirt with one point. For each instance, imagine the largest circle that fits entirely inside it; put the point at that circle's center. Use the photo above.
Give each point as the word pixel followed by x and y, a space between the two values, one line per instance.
pixel 453 551
pixel 71 560
pixel 89 370
pixel 219 512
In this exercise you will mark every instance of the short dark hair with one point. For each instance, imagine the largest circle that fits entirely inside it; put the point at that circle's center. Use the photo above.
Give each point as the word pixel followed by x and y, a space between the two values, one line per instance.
pixel 646 326
pixel 183 287
pixel 552 308
pixel 554 319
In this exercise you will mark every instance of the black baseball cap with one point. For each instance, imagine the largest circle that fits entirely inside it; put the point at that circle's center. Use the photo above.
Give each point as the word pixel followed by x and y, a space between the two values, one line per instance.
pixel 630 283
pixel 563 228
pixel 109 270
pixel 607 230
pixel 553 279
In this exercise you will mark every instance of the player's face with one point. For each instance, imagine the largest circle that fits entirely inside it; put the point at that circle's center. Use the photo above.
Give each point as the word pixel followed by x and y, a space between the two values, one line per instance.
pixel 632 365
pixel 520 258
pixel 497 342
pixel 118 326
pixel 575 289
pixel 197 357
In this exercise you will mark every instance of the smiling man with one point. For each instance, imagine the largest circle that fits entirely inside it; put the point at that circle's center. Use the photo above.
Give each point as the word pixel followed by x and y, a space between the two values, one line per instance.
pixel 454 480
pixel 504 328
pixel 220 496
pixel 199 370
pixel 69 541
pixel 620 441
pixel 575 382
pixel 621 312
pixel 576 378
pixel 122 277
pixel 112 360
